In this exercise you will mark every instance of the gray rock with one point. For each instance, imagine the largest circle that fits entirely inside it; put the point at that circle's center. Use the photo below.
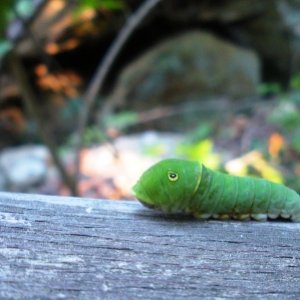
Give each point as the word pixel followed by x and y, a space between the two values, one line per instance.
pixel 270 28
pixel 187 67
pixel 24 167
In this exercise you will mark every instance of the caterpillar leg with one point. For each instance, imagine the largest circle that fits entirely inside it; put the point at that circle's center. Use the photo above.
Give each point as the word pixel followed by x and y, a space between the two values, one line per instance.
pixel 295 218
pixel 273 216
pixel 259 217
pixel 202 216
pixel 241 217
pixel 285 215
pixel 285 203
pixel 221 216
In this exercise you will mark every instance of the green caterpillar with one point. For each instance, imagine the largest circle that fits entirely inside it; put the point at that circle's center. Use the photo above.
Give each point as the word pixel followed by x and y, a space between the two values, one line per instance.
pixel 179 186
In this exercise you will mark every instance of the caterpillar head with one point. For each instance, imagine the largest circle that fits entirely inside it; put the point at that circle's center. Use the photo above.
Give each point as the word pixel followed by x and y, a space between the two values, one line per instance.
pixel 169 185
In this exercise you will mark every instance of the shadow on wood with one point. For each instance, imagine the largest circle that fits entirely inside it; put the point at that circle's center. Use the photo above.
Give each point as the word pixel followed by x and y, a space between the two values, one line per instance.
pixel 60 247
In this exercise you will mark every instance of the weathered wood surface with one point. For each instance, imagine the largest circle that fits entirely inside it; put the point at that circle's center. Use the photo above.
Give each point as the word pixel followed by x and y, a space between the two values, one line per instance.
pixel 68 248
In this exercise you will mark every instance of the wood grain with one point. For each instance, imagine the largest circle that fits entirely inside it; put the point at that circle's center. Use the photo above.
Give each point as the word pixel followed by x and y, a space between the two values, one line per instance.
pixel 70 248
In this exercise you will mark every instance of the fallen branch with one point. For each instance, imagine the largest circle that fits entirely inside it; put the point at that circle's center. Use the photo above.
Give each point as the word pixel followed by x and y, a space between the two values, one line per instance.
pixel 219 104
pixel 97 82
pixel 30 101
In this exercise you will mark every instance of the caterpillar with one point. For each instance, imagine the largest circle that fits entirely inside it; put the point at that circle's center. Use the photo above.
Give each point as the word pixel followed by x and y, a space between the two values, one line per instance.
pixel 180 186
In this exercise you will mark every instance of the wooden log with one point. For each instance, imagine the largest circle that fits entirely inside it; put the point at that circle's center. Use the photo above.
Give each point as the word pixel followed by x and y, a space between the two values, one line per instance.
pixel 71 248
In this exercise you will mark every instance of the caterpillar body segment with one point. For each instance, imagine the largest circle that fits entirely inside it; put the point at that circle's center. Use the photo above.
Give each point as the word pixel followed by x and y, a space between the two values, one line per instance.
pixel 179 186
pixel 243 198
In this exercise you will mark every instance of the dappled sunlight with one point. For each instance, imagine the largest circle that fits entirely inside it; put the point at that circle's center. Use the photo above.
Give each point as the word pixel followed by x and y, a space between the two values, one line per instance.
pixel 254 159
pixel 53 7
pixel 108 176
pixel 202 151
pixel 54 44
pixel 94 160
pixel 236 167
pixel 88 14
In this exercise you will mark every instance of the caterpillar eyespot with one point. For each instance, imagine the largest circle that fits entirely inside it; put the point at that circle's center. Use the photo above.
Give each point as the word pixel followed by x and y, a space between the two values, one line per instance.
pixel 204 193
pixel 172 176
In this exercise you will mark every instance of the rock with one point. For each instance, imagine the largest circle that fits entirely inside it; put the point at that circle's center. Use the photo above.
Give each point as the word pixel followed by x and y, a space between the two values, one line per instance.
pixel 226 11
pixel 270 28
pixel 187 67
pixel 24 167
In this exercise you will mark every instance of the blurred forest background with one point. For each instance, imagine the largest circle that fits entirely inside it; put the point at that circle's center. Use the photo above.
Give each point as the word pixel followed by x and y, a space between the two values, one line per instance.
pixel 92 92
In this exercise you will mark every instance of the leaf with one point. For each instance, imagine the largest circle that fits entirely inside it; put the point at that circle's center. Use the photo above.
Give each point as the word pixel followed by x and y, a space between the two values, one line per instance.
pixel 5 46
pixel 5 12
pixel 295 143
pixel 99 4
pixel 121 120
pixel 286 114
pixel 202 152
pixel 255 160
pixel 200 132
pixel 269 88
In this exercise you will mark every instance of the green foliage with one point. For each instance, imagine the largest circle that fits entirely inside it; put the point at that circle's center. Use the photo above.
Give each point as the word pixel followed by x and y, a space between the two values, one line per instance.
pixel 155 150
pixel 254 164
pixel 201 132
pixel 285 115
pixel 295 142
pixel 295 82
pixel 269 88
pixel 5 46
pixel 5 12
pixel 121 120
pixel 93 135
pixel 8 10
pixel 199 147
pixel 99 4
pixel 201 151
